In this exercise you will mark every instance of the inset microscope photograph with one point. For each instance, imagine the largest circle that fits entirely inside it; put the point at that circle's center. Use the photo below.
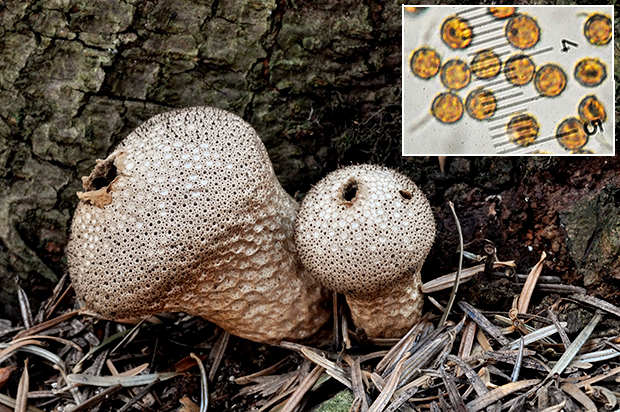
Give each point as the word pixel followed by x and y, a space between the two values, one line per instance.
pixel 508 80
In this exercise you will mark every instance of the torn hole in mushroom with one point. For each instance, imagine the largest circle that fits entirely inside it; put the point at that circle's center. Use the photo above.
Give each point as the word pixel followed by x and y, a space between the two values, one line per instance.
pixel 348 192
pixel 98 184
pixel 104 173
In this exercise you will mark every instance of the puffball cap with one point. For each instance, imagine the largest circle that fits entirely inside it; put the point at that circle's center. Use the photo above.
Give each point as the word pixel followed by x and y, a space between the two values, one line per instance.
pixel 362 228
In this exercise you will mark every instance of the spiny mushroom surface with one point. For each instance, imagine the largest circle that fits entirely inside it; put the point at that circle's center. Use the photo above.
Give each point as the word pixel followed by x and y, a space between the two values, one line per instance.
pixel 187 215
pixel 365 231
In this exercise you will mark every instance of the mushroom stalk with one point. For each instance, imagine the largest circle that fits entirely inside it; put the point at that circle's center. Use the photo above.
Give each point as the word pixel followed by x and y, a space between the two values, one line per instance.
pixel 392 311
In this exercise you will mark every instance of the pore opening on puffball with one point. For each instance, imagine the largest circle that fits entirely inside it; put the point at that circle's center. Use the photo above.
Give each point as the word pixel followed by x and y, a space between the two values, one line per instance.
pixel 102 175
pixel 349 191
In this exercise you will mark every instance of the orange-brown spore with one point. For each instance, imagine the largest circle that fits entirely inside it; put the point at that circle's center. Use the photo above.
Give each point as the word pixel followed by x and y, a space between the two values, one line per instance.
pixel 523 129
pixel 590 72
pixel 598 29
pixel 591 109
pixel 522 31
pixel 570 134
pixel 480 104
pixel 502 12
pixel 550 80
pixel 447 107
pixel 519 69
pixel 456 32
pixel 455 74
pixel 425 62
pixel 486 64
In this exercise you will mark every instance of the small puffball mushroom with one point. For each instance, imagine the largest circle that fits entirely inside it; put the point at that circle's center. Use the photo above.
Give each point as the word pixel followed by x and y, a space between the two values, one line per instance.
pixel 364 231
pixel 187 215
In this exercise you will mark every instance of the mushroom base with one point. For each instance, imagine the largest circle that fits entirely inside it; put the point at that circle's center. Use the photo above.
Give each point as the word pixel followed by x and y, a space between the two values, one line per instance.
pixel 391 314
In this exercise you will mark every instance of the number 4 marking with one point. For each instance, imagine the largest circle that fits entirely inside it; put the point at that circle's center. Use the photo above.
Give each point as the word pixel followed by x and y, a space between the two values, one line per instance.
pixel 566 43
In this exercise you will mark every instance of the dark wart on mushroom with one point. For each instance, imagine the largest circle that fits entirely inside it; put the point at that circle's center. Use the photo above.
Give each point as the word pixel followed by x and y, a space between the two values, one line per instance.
pixel 187 215
pixel 364 231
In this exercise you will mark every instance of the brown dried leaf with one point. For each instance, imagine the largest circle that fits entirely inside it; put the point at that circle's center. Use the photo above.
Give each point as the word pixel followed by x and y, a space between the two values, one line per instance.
pixel 21 400
pixel 579 396
pixel 188 405
pixel 5 374
pixel 187 363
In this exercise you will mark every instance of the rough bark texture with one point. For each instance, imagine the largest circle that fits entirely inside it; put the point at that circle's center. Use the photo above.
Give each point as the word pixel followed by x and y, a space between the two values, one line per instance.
pixel 320 82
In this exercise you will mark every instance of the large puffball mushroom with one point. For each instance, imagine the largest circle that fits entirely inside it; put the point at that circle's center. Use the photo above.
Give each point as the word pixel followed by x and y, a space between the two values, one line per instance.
pixel 187 215
pixel 364 231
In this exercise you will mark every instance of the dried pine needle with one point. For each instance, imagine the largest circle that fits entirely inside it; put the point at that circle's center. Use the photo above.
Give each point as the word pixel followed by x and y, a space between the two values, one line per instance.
pixel 597 303
pixel 572 350
pixel 397 351
pixel 536 335
pixel 331 368
pixel 357 384
pixel 24 307
pixel 517 368
pixel 10 402
pixel 217 354
pixel 384 397
pixel 302 389
pixel 35 350
pixel 21 400
pixel 204 384
pixel 499 393
pixel 455 397
pixel 46 325
pixel 457 279
pixel 560 328
pixel 530 284
pixel 473 377
pixel 125 381
pixel 446 281
pixel 7 349
pixel 245 380
pixel 555 408
pixel 484 323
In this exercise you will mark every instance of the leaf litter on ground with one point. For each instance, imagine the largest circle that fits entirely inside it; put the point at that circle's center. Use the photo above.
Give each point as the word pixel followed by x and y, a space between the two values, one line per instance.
pixel 477 360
